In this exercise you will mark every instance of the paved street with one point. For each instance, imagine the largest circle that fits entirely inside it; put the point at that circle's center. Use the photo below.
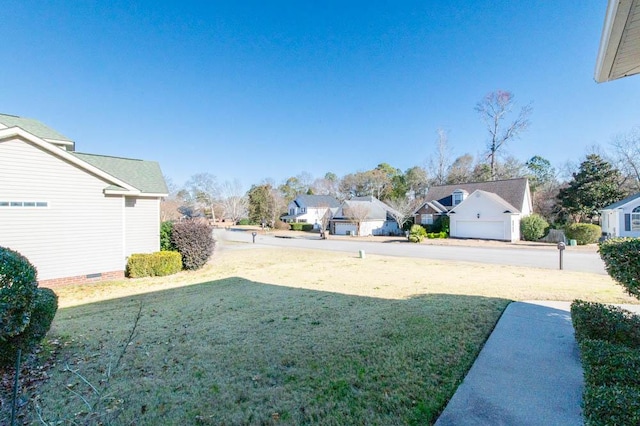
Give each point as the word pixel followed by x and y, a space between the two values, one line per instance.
pixel 538 258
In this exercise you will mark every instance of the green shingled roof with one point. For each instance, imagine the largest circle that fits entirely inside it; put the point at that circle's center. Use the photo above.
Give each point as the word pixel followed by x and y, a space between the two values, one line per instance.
pixel 143 175
pixel 32 126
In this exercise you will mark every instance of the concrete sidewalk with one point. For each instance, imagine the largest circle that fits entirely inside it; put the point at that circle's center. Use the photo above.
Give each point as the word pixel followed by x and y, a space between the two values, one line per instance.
pixel 528 373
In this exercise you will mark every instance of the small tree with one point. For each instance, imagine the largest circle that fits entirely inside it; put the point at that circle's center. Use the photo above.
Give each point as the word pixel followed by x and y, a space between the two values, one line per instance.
pixel 357 212
pixel 403 209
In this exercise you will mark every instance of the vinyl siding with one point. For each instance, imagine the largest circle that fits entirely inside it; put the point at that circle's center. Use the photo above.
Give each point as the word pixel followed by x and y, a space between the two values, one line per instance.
pixel 80 232
pixel 142 225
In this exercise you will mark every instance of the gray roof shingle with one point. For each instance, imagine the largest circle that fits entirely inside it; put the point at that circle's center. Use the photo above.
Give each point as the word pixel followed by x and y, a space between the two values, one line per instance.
pixel 510 190
pixel 622 202
pixel 32 126
pixel 143 175
pixel 316 201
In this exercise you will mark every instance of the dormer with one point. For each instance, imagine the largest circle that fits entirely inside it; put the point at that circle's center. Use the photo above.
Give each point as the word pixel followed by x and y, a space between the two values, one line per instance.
pixel 458 196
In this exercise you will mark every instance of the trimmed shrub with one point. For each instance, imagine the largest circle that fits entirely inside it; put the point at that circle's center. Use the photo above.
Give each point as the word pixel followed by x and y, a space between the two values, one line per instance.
pixel 583 233
pixel 194 240
pixel 607 363
pixel 301 227
pixel 154 264
pixel 18 288
pixel 533 227
pixel 612 405
pixel 166 228
pixel 596 321
pixel 44 310
pixel 244 222
pixel 432 235
pixel 281 225
pixel 620 256
pixel 417 233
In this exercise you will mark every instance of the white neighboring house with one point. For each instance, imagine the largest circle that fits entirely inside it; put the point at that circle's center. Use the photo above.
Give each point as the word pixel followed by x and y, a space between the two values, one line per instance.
pixel 483 210
pixel 374 214
pixel 76 217
pixel 311 209
pixel 622 219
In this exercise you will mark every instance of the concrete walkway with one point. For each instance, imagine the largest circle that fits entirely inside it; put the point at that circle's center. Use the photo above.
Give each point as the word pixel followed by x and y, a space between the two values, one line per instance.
pixel 528 373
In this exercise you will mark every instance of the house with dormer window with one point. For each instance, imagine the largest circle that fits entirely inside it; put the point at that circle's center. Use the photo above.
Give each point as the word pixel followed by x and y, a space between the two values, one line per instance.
pixel 484 210
pixel 75 216
pixel 311 209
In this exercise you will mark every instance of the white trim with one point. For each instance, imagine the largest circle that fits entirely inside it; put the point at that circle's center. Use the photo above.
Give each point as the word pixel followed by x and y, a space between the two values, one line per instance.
pixel 614 24
pixel 52 149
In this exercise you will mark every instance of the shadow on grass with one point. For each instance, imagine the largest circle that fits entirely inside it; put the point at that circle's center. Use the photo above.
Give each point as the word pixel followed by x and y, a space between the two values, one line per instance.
pixel 234 351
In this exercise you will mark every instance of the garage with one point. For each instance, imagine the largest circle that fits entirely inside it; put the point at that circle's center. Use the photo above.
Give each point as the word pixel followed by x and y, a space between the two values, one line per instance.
pixel 345 228
pixel 481 229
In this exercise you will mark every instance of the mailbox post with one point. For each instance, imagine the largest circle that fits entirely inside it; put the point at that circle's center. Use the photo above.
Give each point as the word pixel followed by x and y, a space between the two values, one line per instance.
pixel 253 234
pixel 561 247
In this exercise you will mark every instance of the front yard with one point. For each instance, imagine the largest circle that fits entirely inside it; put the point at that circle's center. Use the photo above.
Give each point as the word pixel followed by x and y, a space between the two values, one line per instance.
pixel 273 336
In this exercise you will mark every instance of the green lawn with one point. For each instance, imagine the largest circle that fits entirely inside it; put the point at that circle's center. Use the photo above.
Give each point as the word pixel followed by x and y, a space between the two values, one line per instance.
pixel 234 351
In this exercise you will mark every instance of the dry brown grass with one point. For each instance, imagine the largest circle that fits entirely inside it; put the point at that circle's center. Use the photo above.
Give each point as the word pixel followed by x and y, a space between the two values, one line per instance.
pixel 374 276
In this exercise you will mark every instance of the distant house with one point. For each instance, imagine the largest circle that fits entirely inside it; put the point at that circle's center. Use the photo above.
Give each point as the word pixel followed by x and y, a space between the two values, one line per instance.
pixel 483 210
pixel 76 217
pixel 364 216
pixel 311 209
pixel 622 219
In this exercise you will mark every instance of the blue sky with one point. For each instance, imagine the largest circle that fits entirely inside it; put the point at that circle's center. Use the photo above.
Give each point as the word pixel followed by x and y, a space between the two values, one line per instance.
pixel 255 90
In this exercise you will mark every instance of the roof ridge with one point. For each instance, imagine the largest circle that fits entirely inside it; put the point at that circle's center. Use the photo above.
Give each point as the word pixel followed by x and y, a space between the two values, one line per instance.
pixel 109 156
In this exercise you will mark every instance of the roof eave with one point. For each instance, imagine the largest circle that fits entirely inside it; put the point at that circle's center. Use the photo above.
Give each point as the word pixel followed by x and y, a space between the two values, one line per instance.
pixel 614 25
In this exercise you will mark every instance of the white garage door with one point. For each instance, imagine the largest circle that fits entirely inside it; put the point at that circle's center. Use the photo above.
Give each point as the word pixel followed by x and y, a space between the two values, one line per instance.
pixel 480 229
pixel 345 228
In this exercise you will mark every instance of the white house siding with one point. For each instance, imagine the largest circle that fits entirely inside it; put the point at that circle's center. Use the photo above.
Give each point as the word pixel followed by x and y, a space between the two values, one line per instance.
pixel 493 223
pixel 142 225
pixel 79 233
pixel 626 210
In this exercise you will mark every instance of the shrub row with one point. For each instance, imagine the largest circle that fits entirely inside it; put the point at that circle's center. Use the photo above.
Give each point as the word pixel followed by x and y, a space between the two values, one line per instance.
pixel 301 227
pixel 583 233
pixel 441 234
pixel 620 257
pixel 154 264
pixel 609 340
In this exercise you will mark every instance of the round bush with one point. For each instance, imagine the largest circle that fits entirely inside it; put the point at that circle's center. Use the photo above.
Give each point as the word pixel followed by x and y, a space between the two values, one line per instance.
pixel 583 233
pixel 44 310
pixel 18 287
pixel 533 227
pixel 194 241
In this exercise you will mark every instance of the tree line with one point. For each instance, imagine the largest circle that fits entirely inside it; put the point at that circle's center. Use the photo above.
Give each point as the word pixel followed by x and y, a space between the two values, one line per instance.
pixel 572 194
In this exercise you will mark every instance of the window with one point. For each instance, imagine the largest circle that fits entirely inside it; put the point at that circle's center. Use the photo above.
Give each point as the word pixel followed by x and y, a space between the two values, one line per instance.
pixel 292 211
pixel 28 204
pixel 426 219
pixel 635 219
pixel 458 196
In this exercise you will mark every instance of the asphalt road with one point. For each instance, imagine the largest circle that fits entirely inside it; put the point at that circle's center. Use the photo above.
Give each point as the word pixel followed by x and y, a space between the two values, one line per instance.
pixel 538 258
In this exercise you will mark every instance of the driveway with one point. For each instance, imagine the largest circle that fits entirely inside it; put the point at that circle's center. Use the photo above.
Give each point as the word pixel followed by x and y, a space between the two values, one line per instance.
pixel 575 259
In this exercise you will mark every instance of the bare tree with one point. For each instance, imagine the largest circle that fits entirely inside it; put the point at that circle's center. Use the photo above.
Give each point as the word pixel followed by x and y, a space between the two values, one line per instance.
pixel 204 190
pixel 403 209
pixel 233 200
pixel 440 163
pixel 494 109
pixel 461 170
pixel 356 212
pixel 627 156
pixel 328 185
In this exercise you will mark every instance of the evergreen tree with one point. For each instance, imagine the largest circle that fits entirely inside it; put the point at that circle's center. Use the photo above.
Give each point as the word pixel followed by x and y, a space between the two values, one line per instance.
pixel 594 186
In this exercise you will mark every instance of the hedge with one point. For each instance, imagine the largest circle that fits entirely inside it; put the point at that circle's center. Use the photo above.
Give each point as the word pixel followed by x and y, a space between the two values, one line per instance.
pixel 620 257
pixel 609 343
pixel 154 264
pixel 583 233
pixel 301 227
